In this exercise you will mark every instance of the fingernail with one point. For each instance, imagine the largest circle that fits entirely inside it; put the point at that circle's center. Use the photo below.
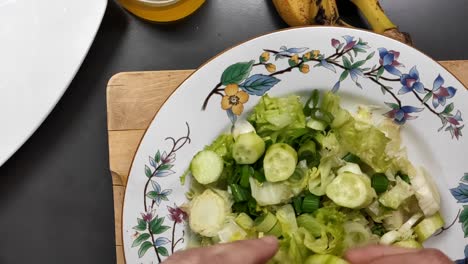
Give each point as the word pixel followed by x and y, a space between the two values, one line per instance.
pixel 270 240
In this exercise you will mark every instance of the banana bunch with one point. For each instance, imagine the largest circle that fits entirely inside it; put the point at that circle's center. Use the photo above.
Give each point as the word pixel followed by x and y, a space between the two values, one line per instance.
pixel 325 12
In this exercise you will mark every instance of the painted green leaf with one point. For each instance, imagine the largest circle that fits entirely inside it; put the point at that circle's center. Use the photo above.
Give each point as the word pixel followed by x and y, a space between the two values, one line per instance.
pixel 464 220
pixel 236 72
pixel 160 229
pixel 157 157
pixel 382 88
pixel 152 195
pixel 143 248
pixel 156 222
pixel 358 64
pixel 379 73
pixel 163 251
pixel 141 225
pixel 448 109
pixel 346 62
pixel 344 75
pixel 148 172
pixel 140 239
pixel 370 55
pixel 166 167
pixel 427 97
pixel 464 178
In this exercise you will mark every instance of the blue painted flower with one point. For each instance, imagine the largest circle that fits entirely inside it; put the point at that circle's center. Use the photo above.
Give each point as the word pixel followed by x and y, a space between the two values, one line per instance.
pixel 158 195
pixel 401 114
pixel 352 44
pixel 411 82
pixel 441 93
pixel 389 60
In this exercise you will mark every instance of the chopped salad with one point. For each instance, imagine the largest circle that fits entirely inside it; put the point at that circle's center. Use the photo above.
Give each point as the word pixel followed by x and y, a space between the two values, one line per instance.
pixel 316 176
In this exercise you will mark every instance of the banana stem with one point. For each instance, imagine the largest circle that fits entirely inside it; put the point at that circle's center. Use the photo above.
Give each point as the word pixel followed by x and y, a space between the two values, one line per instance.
pixel 374 15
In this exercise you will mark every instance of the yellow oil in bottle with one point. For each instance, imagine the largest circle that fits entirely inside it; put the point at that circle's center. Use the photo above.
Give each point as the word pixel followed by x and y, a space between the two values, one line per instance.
pixel 162 11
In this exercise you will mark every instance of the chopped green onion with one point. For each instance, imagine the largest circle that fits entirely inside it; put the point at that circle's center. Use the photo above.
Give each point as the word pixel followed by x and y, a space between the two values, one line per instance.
pixel 308 152
pixel 265 222
pixel 404 177
pixel 275 230
pixel 310 203
pixel 297 204
pixel 238 193
pixel 379 183
pixel 234 177
pixel 259 176
pixel 314 98
pixel 240 207
pixel 244 221
pixel 350 157
pixel 252 206
pixel 245 172
pixel 378 229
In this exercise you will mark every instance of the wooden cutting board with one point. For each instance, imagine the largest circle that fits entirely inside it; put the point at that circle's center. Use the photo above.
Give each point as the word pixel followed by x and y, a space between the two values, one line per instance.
pixel 133 98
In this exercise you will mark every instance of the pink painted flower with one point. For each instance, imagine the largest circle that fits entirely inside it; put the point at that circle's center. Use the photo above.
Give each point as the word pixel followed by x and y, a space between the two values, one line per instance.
pixel 176 214
pixel 148 215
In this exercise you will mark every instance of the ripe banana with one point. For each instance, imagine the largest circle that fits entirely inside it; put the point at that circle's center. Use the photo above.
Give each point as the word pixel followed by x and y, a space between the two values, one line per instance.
pixel 379 21
pixel 325 12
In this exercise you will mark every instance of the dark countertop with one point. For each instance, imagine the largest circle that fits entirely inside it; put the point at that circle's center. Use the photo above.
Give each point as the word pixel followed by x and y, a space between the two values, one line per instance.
pixel 56 191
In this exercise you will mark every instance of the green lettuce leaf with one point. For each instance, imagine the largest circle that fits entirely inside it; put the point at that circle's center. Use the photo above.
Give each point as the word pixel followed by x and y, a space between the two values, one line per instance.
pixel 277 114
pixel 222 146
pixel 358 137
pixel 287 219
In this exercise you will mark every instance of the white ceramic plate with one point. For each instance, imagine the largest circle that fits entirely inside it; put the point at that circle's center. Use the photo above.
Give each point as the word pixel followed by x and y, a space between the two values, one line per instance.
pixel 43 45
pixel 182 127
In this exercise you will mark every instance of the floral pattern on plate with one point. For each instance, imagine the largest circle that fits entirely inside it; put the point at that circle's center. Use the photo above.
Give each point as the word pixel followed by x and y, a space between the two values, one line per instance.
pixel 351 59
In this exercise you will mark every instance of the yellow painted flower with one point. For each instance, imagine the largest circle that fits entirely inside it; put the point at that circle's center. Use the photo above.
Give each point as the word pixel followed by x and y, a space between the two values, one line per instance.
pixel 304 68
pixel 295 58
pixel 234 99
pixel 307 55
pixel 265 56
pixel 270 67
pixel 315 53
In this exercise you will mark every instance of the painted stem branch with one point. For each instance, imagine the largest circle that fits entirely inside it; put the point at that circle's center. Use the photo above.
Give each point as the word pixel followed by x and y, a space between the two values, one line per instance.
pixel 387 90
pixel 425 104
pixel 173 237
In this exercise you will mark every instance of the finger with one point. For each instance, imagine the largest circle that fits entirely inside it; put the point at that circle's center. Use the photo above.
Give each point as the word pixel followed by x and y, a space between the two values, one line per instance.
pixel 367 254
pixel 429 256
pixel 256 251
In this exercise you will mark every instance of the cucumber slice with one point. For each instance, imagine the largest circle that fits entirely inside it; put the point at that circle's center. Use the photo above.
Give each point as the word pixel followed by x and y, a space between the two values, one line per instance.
pixel 242 127
pixel 350 190
pixel 206 166
pixel 427 227
pixel 207 213
pixel 325 259
pixel 280 162
pixel 248 148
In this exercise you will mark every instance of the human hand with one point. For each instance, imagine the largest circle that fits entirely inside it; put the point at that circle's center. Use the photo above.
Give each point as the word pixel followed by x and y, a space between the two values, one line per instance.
pixel 256 251
pixel 390 255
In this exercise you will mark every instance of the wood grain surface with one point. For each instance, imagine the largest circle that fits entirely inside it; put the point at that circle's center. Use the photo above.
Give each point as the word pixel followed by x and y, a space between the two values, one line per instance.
pixel 133 99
